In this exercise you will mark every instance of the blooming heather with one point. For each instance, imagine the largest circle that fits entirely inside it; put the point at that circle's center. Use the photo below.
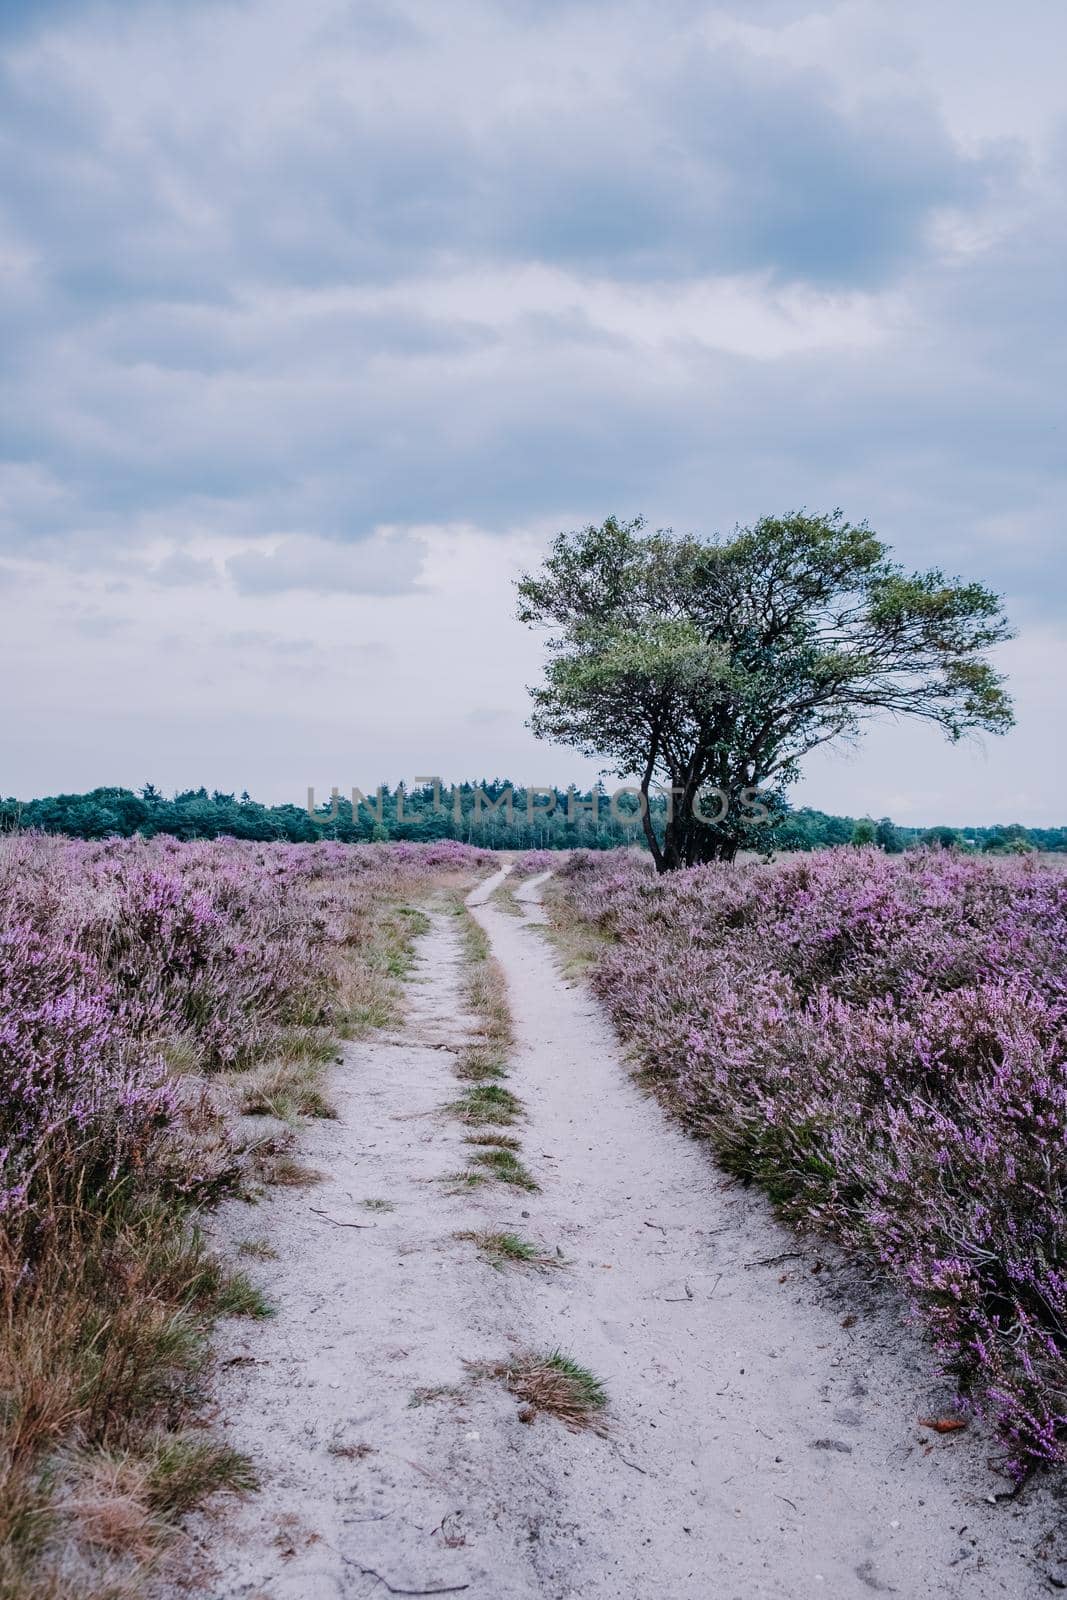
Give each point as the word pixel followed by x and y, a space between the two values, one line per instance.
pixel 881 1042
pixel 72 1079
pixel 533 861
pixel 118 956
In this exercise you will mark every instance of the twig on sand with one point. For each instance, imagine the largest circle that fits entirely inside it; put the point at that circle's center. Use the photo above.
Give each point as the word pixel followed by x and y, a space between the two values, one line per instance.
pixel 628 1463
pixel 773 1261
pixel 319 1212
pixel 370 1572
pixel 425 1471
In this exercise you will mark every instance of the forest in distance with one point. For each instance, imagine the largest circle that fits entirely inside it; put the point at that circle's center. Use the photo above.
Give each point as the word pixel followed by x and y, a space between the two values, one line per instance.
pixel 416 815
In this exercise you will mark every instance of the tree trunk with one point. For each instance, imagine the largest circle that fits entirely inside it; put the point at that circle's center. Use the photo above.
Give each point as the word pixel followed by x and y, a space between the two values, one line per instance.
pixel 688 842
pixel 646 816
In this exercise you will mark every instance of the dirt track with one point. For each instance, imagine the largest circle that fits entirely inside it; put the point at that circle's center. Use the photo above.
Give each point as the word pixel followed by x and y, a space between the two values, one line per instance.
pixel 757 1446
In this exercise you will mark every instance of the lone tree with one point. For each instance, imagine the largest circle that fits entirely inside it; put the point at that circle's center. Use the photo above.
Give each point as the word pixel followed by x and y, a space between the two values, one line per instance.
pixel 712 667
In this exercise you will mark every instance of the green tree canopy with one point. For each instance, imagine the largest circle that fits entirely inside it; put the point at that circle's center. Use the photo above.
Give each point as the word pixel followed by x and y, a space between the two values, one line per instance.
pixel 718 664
pixel 888 836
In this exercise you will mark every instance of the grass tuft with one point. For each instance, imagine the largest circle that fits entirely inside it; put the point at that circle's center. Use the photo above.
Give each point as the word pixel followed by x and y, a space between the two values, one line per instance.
pixel 555 1384
pixel 186 1468
pixel 238 1297
pixel 505 1167
pixel 287 1172
pixel 486 1102
pixel 257 1249
pixel 379 959
pixel 467 1179
pixel 103 1348
pixel 289 1089
pixel 502 1249
pixel 439 1391
pixel 479 1063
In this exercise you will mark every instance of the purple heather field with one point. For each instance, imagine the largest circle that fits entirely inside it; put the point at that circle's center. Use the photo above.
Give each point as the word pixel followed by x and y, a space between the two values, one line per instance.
pixel 880 1043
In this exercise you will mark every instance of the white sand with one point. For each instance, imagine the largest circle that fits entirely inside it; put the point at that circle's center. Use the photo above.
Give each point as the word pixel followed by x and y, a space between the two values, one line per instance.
pixel 756 1448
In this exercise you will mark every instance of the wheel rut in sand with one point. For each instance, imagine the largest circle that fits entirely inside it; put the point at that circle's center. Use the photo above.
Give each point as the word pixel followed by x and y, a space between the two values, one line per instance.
pixel 755 1446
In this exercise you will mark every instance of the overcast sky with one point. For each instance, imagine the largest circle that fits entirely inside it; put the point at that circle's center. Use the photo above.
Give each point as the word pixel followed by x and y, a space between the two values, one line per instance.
pixel 320 318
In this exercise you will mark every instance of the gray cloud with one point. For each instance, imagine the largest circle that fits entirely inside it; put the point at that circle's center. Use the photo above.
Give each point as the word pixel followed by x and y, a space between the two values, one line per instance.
pixel 160 362
pixel 379 566
pixel 279 277
pixel 98 625
pixel 680 162
pixel 182 570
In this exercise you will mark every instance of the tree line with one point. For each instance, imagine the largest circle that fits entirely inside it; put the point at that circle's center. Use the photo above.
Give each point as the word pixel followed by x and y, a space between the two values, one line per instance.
pixel 477 812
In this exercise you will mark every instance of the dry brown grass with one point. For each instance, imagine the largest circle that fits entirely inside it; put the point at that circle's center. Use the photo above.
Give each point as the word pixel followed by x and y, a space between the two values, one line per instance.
pixel 479 1063
pixel 289 1089
pixel 427 1394
pixel 350 1452
pixel 375 962
pixel 485 987
pixel 486 1102
pixel 553 1384
pixel 103 1354
pixel 487 995
pixel 109 1509
pixel 257 1249
pixel 288 1172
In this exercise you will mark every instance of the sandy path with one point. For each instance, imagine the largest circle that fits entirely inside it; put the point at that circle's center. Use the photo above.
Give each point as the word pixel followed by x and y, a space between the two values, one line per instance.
pixel 757 1447
pixel 780 1450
